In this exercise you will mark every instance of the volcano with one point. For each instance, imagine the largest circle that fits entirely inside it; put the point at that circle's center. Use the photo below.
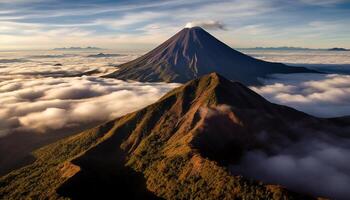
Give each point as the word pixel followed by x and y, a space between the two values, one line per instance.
pixel 180 147
pixel 193 52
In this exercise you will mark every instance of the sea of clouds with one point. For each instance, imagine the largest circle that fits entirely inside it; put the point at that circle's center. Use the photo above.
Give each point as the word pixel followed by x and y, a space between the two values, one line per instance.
pixel 44 92
pixel 316 165
pixel 49 85
pixel 321 95
pixel 37 95
pixel 38 64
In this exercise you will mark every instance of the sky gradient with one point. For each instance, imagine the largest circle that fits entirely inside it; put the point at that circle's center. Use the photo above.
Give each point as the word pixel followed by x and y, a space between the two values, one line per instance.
pixel 46 24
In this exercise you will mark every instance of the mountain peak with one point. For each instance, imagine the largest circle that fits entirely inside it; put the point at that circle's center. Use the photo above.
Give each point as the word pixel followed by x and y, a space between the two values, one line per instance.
pixel 194 52
pixel 213 89
pixel 193 28
pixel 215 75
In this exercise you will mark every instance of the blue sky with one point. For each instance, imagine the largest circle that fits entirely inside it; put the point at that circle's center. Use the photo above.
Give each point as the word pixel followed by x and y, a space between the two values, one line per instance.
pixel 43 24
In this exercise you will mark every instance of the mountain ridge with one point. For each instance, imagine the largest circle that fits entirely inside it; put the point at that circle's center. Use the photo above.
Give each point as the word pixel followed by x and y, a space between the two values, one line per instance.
pixel 176 148
pixel 156 137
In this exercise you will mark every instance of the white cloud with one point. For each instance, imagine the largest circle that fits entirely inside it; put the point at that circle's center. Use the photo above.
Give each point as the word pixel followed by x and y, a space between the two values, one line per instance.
pixel 249 23
pixel 313 166
pixel 40 106
pixel 82 34
pixel 34 98
pixel 317 94
pixel 130 19
pixel 50 118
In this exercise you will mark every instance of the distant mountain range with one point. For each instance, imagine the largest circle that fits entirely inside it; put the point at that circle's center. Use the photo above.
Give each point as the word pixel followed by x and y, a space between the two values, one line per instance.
pixel 193 52
pixel 77 48
pixel 177 148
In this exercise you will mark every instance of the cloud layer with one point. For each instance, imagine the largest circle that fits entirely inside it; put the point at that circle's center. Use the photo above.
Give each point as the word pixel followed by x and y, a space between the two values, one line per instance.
pixel 317 94
pixel 320 167
pixel 37 96
pixel 26 64
pixel 55 103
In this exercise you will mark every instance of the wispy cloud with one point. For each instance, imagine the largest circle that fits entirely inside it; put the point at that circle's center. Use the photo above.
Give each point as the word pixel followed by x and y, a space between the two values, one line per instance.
pixel 246 21
pixel 130 19
pixel 322 2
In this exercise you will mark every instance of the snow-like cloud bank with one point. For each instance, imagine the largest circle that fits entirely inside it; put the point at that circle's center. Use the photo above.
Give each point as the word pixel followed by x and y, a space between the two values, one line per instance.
pixel 46 93
pixel 54 103
pixel 317 94
pixel 320 167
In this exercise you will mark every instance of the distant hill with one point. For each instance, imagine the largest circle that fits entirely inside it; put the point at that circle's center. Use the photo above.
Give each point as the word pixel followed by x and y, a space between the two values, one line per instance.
pixel 176 148
pixel 102 55
pixel 193 52
pixel 338 49
pixel 77 48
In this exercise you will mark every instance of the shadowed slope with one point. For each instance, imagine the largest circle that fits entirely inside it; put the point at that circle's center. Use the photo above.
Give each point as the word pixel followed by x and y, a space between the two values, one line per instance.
pixel 193 52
